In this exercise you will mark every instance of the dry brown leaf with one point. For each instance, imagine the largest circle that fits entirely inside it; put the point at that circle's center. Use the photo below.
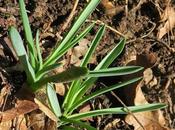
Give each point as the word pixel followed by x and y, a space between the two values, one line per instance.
pixel 86 108
pixel 148 75
pixel 46 110
pixel 51 125
pixel 144 59
pixel 150 120
pixel 5 91
pixel 147 119
pixel 78 51
pixel 37 120
pixel 22 107
pixel 60 89
pixel 6 125
pixel 20 123
pixel 112 124
pixel 169 18
pixel 10 46
pixel 110 8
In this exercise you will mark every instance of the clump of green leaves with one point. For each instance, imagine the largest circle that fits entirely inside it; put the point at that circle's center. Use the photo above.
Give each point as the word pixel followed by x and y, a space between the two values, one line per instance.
pixel 81 78
pixel 76 95
pixel 35 67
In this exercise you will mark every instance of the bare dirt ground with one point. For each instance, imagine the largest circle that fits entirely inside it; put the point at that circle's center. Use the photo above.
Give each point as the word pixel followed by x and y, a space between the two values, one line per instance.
pixel 148 26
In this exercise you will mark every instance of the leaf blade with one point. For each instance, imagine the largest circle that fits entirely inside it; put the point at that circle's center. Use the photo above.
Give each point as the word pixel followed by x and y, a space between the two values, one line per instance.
pixel 74 87
pixel 39 56
pixel 21 53
pixel 65 76
pixel 28 32
pixel 93 46
pixel 76 26
pixel 102 91
pixel 53 100
pixel 119 110
pixel 109 58
pixel 79 123
pixel 115 71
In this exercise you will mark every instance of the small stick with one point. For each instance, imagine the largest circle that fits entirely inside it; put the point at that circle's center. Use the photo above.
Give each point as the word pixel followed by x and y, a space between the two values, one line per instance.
pixel 68 19
pixel 172 50
pixel 138 6
pixel 126 8
pixel 128 109
pixel 107 26
pixel 152 29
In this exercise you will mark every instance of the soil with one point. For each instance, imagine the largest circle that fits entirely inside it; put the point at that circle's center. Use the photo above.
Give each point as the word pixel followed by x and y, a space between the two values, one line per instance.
pixel 140 24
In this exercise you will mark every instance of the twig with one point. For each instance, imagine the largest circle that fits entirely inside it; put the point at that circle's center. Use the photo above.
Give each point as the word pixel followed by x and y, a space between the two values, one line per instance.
pixel 152 29
pixel 167 84
pixel 126 8
pixel 141 2
pixel 68 19
pixel 107 26
pixel 128 110
pixel 172 50
pixel 7 10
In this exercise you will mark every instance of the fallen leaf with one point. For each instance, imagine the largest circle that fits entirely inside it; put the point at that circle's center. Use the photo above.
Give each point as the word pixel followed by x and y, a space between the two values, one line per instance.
pixel 149 120
pixel 37 120
pixel 20 123
pixel 78 51
pixel 46 110
pixel 144 59
pixel 112 125
pixel 22 107
pixel 5 91
pixel 51 125
pixel 148 75
pixel 110 8
pixel 169 21
pixel 6 125
pixel 60 89
pixel 86 108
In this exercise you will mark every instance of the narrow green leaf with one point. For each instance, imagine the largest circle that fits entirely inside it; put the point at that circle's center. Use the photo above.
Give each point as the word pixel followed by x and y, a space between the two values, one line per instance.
pixel 28 32
pixel 95 42
pixel 39 55
pixel 81 19
pixel 93 46
pixel 74 83
pixel 119 110
pixel 112 55
pixel 53 100
pixel 17 41
pixel 21 53
pixel 115 71
pixel 107 60
pixel 102 91
pixel 46 70
pixel 70 44
pixel 65 76
pixel 79 123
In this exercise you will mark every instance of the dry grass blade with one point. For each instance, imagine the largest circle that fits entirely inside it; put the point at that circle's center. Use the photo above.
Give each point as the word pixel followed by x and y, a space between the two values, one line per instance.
pixel 46 110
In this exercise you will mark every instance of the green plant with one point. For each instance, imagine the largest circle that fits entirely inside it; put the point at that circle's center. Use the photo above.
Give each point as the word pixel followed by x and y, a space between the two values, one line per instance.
pixel 82 79
pixel 36 68
pixel 76 95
